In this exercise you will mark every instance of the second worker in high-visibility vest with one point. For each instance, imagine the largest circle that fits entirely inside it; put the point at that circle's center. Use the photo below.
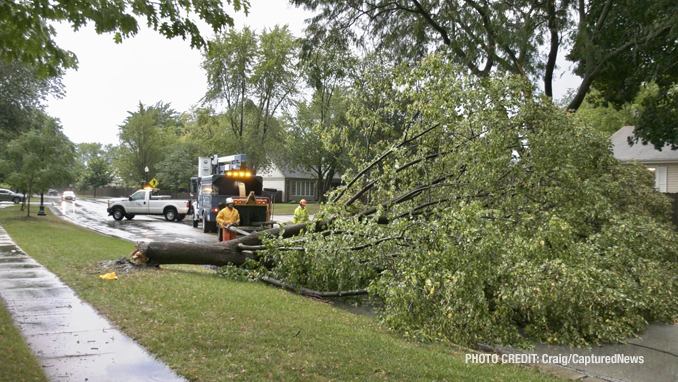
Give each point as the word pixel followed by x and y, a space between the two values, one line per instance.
pixel 228 217
pixel 301 213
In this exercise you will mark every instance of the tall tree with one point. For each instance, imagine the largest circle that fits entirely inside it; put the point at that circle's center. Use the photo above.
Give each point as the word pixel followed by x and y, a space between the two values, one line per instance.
pixel 98 173
pixel 617 45
pixel 179 165
pixel 315 142
pixel 39 159
pixel 26 33
pixel 253 77
pixel 229 65
pixel 144 141
pixel 317 133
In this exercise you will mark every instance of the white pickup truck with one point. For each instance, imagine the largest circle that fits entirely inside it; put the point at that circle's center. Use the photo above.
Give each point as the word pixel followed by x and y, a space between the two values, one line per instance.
pixel 143 202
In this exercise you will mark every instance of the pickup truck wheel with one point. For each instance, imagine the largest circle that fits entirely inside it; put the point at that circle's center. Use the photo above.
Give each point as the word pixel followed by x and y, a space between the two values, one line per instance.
pixel 16 200
pixel 118 214
pixel 180 217
pixel 129 217
pixel 170 214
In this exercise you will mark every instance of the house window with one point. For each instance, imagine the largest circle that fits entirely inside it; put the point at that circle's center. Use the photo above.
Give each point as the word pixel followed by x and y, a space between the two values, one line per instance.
pixel 660 174
pixel 303 188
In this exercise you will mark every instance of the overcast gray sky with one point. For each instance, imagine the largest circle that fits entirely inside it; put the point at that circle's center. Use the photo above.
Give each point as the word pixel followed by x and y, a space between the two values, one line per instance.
pixel 113 78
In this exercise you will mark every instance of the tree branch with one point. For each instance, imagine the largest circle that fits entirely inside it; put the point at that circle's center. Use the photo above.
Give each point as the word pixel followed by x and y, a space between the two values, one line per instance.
pixel 381 158
pixel 553 52
pixel 591 75
pixel 310 292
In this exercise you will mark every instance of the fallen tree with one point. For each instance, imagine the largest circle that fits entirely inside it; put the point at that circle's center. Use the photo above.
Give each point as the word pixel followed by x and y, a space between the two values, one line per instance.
pixel 494 218
pixel 234 252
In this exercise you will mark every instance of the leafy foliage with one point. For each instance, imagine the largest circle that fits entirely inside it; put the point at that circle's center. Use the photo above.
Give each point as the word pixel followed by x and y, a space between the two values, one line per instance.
pixel 26 33
pixel 22 96
pixel 604 117
pixel 179 165
pixel 495 218
pixel 315 139
pixel 316 131
pixel 144 138
pixel 617 46
pixel 657 121
pixel 97 174
pixel 39 159
pixel 253 77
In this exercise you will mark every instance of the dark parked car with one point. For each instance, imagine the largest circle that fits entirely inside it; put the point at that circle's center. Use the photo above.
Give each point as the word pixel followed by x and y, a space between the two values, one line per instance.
pixel 9 196
pixel 52 192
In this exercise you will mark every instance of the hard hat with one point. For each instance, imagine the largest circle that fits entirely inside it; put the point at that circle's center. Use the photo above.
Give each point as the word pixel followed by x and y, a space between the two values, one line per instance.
pixel 229 200
pixel 302 201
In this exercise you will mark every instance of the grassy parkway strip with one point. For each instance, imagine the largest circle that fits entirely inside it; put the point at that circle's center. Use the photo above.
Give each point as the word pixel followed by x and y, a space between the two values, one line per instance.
pixel 210 329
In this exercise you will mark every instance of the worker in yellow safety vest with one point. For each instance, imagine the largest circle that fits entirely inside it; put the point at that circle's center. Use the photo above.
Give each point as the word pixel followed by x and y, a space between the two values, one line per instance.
pixel 301 213
pixel 226 218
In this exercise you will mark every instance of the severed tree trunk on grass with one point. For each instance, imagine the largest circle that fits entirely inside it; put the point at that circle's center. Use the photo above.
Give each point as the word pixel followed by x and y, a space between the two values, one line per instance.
pixel 234 252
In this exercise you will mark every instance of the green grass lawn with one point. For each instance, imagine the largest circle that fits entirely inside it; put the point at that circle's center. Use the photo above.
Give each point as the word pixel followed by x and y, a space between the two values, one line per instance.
pixel 211 329
pixel 288 208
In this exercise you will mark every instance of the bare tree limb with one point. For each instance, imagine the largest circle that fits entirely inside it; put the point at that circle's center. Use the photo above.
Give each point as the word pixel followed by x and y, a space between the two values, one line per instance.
pixel 310 292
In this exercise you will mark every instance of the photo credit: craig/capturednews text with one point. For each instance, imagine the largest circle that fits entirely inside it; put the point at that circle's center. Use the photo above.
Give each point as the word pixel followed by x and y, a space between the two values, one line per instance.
pixel 562 359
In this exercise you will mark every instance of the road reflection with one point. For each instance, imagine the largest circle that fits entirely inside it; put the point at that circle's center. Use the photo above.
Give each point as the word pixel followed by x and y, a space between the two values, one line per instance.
pixel 67 207
pixel 91 214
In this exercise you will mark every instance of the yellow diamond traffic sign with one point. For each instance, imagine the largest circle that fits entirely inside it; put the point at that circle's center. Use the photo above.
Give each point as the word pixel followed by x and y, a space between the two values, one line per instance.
pixel 153 183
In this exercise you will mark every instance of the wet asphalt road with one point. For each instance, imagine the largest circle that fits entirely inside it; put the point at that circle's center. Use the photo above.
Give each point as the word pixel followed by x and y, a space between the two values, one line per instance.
pixel 91 214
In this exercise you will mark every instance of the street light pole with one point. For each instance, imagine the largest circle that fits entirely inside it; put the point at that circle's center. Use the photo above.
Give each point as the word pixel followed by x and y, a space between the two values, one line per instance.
pixel 145 176
pixel 42 212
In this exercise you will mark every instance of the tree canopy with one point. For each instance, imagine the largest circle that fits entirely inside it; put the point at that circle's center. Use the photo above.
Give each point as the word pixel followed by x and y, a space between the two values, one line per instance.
pixel 617 45
pixel 27 34
pixel 22 97
pixel 98 173
pixel 144 137
pixel 253 77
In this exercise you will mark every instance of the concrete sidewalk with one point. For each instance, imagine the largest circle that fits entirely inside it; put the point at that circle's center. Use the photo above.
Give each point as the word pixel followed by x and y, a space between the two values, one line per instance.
pixel 70 339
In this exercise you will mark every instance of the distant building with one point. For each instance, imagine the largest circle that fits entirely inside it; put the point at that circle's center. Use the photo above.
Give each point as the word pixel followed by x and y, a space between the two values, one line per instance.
pixel 664 164
pixel 292 184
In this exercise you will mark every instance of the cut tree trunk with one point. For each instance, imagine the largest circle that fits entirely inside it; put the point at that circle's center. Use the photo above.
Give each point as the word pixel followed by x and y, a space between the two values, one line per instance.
pixel 220 254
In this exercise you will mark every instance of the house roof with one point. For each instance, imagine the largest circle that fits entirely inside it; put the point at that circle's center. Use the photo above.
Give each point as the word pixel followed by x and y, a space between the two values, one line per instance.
pixel 292 173
pixel 639 152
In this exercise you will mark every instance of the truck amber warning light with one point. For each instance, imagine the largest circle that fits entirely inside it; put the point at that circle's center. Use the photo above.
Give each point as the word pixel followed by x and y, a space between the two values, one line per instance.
pixel 236 173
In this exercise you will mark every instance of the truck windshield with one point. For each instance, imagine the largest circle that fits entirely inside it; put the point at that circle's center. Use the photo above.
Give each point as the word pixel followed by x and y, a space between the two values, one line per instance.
pixel 139 195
